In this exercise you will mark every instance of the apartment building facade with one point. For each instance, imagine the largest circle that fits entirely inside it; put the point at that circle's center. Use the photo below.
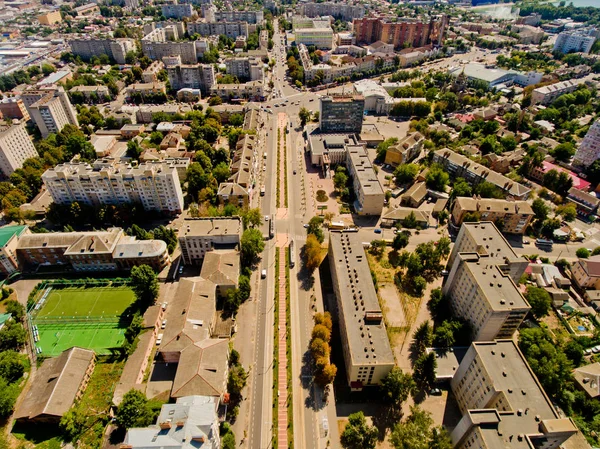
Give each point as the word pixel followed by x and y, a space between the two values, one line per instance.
pixel 245 68
pixel 50 109
pixel 474 173
pixel 586 272
pixel 341 114
pixel 405 150
pixel 14 108
pixel 9 239
pixel 177 11
pixel 15 146
pixel 411 32
pixel 198 236
pixel 156 46
pixel 116 49
pixel 341 11
pixel 513 216
pixel 313 32
pixel 366 348
pixel 589 149
pixel 252 17
pixel 229 29
pixel 503 403
pixel 367 189
pixel 579 40
pixel 155 186
pixel 547 94
pixel 50 18
pixel 189 76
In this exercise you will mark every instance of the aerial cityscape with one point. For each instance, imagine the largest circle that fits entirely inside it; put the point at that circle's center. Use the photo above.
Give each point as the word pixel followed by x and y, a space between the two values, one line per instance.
pixel 300 224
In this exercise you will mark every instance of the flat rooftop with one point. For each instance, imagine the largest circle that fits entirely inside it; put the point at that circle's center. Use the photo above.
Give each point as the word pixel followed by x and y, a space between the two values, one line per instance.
pixel 198 227
pixel 495 205
pixel 363 169
pixel 489 241
pixel 366 334
pixel 320 143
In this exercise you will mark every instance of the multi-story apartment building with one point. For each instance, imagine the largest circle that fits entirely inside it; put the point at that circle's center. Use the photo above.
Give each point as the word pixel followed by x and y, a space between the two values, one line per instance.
pixel 155 186
pixel 116 49
pixel 245 68
pixel 14 108
pixel 253 17
pixel 512 216
pixel 197 236
pixel 252 90
pixel 9 239
pixel 341 11
pixel 586 272
pixel 314 32
pixel 229 29
pixel 341 114
pixel 189 76
pixel 173 30
pixel 589 149
pixel 411 32
pixel 15 146
pixel 156 46
pixel 503 403
pixel 579 40
pixel 460 166
pixel 481 285
pixel 233 193
pixel 50 18
pixel 242 162
pixel 586 203
pixel 365 345
pixel 50 109
pixel 367 189
pixel 177 11
pixel 405 150
pixel 547 94
pixel 91 251
pixel 150 74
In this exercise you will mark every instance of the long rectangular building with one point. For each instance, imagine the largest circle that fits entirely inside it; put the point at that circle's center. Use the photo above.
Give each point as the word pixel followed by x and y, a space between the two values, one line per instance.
pixel 502 402
pixel 229 29
pixel 460 166
pixel 367 352
pixel 514 216
pixel 199 236
pixel 482 282
pixel 116 49
pixel 403 32
pixel 155 186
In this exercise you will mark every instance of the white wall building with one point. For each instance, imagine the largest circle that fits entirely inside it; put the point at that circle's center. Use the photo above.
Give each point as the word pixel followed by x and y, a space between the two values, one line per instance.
pixel 589 150
pixel 15 146
pixel 575 41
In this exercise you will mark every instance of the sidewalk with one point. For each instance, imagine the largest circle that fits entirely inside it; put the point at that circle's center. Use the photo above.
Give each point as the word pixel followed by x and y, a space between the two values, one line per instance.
pixel 282 387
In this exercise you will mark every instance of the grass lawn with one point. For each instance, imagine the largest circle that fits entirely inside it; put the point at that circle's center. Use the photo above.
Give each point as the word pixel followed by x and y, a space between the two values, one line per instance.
pixel 55 338
pixel 81 302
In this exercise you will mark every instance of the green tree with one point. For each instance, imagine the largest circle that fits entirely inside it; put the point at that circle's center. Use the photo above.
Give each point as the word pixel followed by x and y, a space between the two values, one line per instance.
pixel 406 173
pixel 383 147
pixel 340 180
pixel 424 371
pixel 321 332
pixel 47 69
pixel 444 335
pixel 12 365
pixel 314 228
pixel 134 149
pixel 358 434
pixel 304 115
pixel 134 328
pixel 251 245
pixel 401 240
pixel 414 432
pixel 15 308
pixel 8 397
pixel 72 423
pixel 437 178
pixel 167 235
pixel 134 410
pixel 540 209
pixel 461 188
pixel 582 253
pixel 396 386
pixel 423 337
pixel 567 211
pixel 145 284
pixel 228 441
pixel 252 217
pixel 12 336
pixel 236 380
pixel 563 152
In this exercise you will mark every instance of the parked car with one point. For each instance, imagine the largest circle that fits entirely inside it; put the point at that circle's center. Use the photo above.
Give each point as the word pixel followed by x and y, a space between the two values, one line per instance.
pixel 435 392
pixel 263 274
pixel 164 324
pixel 159 339
pixel 377 231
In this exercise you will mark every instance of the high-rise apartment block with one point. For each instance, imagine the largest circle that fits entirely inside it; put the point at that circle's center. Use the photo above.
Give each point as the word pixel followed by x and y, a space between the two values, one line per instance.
pixel 367 188
pixel 156 45
pixel 341 114
pixel 579 40
pixel 313 32
pixel 366 348
pixel 50 109
pixel 189 76
pixel 116 49
pixel 229 29
pixel 15 146
pixel 14 108
pixel 245 68
pixel 412 32
pixel 482 282
pixel 253 17
pixel 199 236
pixel 155 186
pixel 503 403
pixel 341 11
pixel 173 30
pixel 589 149
pixel 176 11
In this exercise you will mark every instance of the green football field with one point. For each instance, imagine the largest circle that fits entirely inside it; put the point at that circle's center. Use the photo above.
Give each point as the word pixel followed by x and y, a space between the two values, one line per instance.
pixel 84 317
pixel 84 302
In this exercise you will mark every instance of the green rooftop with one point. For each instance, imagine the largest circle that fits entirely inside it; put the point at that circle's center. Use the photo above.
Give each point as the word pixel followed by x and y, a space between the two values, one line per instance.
pixel 7 232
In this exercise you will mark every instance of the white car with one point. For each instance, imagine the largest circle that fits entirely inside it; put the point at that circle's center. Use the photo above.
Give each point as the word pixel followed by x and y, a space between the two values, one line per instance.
pixel 159 339
pixel 164 324
pixel 266 218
